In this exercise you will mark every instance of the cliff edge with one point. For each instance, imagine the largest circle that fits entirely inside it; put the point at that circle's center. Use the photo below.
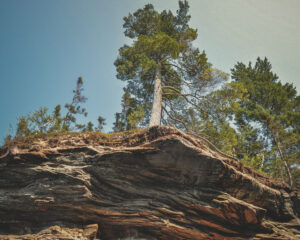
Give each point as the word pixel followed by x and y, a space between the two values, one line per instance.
pixel 158 183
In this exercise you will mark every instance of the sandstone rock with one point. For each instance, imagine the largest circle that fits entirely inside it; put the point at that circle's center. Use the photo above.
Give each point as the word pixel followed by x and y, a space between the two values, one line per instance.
pixel 56 232
pixel 159 183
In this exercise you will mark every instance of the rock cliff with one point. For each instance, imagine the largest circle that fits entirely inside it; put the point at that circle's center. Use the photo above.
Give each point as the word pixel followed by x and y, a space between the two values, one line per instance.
pixel 158 183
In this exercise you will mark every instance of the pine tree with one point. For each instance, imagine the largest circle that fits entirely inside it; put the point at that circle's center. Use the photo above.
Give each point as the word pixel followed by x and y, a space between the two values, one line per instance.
pixel 273 107
pixel 89 127
pixel 161 66
pixel 101 123
pixel 57 119
pixel 40 121
pixel 23 128
pixel 75 108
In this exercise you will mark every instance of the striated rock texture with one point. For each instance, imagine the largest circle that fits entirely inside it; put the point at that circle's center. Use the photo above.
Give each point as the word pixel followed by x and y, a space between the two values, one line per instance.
pixel 159 183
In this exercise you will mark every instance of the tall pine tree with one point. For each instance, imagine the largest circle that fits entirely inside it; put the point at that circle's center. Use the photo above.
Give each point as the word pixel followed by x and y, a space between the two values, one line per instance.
pixel 161 66
pixel 273 108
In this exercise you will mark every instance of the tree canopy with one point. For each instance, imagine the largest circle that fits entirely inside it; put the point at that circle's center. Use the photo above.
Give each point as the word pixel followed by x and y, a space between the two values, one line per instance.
pixel 161 66
pixel 273 108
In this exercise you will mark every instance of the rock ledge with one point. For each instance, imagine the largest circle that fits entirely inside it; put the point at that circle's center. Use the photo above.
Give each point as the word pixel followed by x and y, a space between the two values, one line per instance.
pixel 158 183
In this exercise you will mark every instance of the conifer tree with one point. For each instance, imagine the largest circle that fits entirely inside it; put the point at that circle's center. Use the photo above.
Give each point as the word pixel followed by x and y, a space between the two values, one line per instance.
pixel 273 107
pixel 89 127
pixel 40 121
pixel 214 121
pixel 101 123
pixel 75 108
pixel 23 128
pixel 119 125
pixel 161 66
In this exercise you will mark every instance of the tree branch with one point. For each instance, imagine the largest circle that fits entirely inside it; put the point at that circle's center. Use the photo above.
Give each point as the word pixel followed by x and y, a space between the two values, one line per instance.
pixel 173 118
pixel 185 96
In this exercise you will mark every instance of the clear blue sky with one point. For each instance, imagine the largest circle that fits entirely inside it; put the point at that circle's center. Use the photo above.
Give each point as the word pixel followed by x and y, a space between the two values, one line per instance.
pixel 46 45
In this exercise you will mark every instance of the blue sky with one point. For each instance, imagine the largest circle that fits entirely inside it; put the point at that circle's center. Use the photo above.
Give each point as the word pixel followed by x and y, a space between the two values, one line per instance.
pixel 46 45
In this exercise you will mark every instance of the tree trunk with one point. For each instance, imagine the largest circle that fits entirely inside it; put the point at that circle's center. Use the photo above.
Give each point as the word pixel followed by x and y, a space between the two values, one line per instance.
pixel 287 168
pixel 157 98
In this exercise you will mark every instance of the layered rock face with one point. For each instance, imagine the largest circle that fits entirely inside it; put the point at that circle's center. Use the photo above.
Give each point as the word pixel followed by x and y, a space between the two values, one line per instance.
pixel 159 183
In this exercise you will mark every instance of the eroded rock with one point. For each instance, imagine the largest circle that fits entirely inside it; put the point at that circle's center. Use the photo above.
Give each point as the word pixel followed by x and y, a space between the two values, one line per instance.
pixel 158 183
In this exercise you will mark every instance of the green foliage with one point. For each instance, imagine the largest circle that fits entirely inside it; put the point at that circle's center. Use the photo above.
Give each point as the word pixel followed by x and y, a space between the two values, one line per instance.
pixel 119 125
pixel 23 128
pixel 101 123
pixel 255 118
pixel 75 108
pixel 37 122
pixel 131 116
pixel 89 127
pixel 41 122
pixel 161 39
pixel 57 119
pixel 135 117
pixel 273 109
pixel 251 147
pixel 213 118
